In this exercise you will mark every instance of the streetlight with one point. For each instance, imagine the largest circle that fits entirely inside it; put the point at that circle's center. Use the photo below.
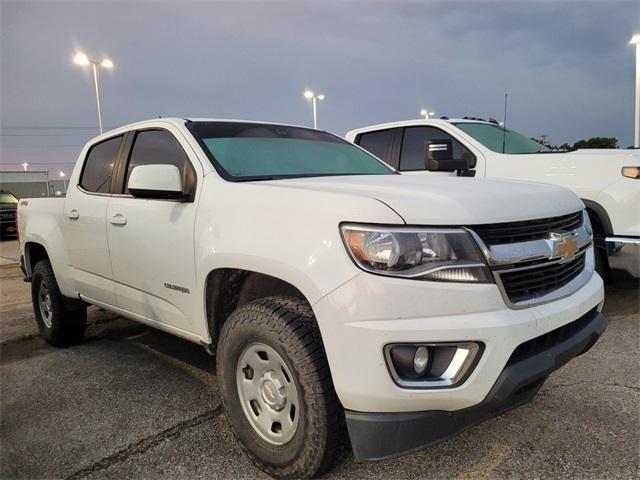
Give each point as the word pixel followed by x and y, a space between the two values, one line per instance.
pixel 635 40
pixel 426 113
pixel 25 165
pixel 64 181
pixel 314 99
pixel 82 60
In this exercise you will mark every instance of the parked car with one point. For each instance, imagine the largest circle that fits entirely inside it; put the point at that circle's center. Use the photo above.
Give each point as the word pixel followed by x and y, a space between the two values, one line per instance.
pixel 607 181
pixel 348 306
pixel 8 209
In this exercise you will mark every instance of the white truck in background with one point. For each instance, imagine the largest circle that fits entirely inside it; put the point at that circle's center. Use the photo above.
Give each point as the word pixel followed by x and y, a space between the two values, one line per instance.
pixel 349 307
pixel 607 181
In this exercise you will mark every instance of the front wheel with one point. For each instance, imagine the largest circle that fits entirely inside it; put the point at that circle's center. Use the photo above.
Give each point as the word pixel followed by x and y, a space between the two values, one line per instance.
pixel 277 390
pixel 58 325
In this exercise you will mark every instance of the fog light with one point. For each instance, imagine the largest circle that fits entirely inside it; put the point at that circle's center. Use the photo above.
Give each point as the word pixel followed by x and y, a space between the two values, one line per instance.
pixel 432 365
pixel 421 360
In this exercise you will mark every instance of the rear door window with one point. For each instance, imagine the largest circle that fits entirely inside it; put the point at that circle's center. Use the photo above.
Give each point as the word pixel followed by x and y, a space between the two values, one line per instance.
pixel 378 143
pixel 98 166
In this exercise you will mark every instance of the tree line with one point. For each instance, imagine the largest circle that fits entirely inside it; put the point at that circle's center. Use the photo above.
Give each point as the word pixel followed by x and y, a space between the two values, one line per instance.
pixel 593 142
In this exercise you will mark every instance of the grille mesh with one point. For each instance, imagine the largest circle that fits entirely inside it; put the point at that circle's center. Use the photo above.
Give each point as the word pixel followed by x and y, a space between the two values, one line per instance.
pixel 512 232
pixel 535 282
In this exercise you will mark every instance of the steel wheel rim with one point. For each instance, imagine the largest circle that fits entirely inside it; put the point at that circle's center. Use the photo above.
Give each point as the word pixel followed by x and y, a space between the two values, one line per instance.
pixel 44 300
pixel 268 393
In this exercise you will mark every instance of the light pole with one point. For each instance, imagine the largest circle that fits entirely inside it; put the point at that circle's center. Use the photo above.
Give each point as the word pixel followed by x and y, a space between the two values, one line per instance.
pixel 314 103
pixel 426 113
pixel 64 181
pixel 25 165
pixel 82 60
pixel 635 40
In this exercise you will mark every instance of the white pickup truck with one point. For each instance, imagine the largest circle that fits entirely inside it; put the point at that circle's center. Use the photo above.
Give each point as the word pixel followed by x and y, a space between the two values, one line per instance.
pixel 349 306
pixel 607 181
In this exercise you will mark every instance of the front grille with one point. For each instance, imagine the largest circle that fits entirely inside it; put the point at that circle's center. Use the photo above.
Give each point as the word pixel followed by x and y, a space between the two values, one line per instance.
pixel 8 215
pixel 549 340
pixel 512 232
pixel 536 282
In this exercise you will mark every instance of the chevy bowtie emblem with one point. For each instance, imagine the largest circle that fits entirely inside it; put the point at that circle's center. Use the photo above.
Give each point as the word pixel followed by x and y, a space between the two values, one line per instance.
pixel 565 246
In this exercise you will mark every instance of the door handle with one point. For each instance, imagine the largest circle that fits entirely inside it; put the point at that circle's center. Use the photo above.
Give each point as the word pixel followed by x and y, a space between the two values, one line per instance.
pixel 73 214
pixel 118 219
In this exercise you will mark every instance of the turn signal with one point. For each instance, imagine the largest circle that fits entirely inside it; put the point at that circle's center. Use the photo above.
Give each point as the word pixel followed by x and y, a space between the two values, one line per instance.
pixel 631 172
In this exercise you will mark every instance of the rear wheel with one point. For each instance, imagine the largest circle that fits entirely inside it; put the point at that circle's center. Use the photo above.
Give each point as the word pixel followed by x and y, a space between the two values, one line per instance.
pixel 57 324
pixel 277 389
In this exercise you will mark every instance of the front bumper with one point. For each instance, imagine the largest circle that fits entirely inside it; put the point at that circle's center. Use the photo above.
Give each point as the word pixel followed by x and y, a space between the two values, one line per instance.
pixel 358 319
pixel 376 436
pixel 363 315
pixel 623 255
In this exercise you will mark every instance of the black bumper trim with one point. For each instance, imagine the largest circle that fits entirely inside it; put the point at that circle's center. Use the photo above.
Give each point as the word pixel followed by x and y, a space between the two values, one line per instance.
pixel 377 436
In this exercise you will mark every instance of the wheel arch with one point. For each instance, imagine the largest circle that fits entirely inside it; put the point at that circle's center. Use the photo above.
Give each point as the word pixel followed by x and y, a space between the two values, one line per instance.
pixel 33 253
pixel 599 218
pixel 226 289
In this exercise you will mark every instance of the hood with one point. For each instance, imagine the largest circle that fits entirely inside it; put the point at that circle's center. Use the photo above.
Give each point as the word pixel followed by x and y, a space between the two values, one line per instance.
pixel 583 171
pixel 616 152
pixel 601 160
pixel 448 200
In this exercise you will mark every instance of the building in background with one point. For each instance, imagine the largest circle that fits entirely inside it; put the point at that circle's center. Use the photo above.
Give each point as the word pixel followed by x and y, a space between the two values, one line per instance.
pixel 30 184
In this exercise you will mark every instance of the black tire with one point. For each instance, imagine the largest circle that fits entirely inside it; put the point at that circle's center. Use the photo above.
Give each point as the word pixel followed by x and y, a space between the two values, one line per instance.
pixel 63 326
pixel 288 326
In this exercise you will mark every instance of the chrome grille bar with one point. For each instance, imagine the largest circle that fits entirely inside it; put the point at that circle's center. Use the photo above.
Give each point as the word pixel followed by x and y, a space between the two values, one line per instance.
pixel 538 271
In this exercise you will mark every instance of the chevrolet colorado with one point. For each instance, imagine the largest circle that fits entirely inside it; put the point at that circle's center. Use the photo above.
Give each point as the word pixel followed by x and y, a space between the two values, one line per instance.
pixel 608 181
pixel 349 307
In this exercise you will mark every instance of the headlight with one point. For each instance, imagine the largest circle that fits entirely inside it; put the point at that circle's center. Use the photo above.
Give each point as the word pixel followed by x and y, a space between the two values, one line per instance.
pixel 418 253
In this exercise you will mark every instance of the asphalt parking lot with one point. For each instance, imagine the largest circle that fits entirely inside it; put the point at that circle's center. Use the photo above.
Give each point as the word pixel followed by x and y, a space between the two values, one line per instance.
pixel 132 402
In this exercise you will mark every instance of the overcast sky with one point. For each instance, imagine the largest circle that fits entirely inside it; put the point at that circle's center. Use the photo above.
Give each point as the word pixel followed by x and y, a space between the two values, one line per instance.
pixel 566 66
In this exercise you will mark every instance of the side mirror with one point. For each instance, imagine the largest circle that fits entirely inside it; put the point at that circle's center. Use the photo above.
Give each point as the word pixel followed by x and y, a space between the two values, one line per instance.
pixel 439 157
pixel 156 181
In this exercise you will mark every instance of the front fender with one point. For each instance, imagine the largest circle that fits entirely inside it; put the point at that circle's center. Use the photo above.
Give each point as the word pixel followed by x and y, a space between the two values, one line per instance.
pixel 621 200
pixel 292 235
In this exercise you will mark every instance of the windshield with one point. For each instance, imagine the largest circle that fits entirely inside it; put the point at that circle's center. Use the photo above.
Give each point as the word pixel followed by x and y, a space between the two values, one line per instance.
pixel 6 197
pixel 492 136
pixel 248 151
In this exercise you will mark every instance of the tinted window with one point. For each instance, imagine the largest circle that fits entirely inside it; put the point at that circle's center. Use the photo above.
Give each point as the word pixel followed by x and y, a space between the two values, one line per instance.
pixel 154 147
pixel 376 142
pixel 248 151
pixel 413 147
pixel 98 167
